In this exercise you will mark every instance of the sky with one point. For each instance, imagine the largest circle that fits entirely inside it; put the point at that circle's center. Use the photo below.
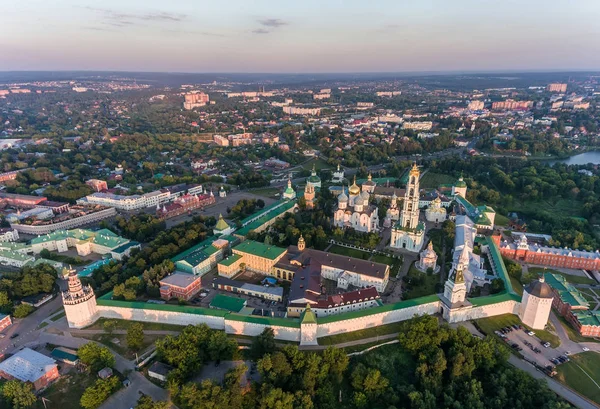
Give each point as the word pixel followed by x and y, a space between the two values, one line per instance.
pixel 306 36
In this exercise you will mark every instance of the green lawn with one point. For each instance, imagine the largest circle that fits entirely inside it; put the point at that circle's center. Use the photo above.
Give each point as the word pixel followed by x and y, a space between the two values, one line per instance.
pixel 573 279
pixel 345 251
pixel 431 180
pixel 501 220
pixel 124 324
pixel 266 192
pixel 361 334
pixel 517 286
pixel 319 164
pixel 491 324
pixel 582 374
pixel 67 391
pixel 58 316
pixel 394 263
pixel 42 325
pixel 425 287
pixel 121 347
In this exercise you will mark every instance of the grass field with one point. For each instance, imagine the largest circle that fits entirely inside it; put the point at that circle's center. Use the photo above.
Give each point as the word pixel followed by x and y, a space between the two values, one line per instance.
pixel 266 192
pixel 582 374
pixel 319 164
pixel 517 286
pixel 58 316
pixel 362 334
pixel 123 324
pixel 427 287
pixel 491 324
pixel 121 346
pixel 431 180
pixel 501 220
pixel 394 263
pixel 573 279
pixel 345 251
pixel 67 391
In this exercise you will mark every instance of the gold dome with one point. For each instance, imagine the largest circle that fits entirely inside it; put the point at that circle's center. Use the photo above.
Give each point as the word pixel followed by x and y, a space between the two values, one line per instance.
pixel 354 189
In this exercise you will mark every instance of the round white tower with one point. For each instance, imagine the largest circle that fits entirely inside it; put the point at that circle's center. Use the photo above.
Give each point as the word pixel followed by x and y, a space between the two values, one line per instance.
pixel 536 304
pixel 79 302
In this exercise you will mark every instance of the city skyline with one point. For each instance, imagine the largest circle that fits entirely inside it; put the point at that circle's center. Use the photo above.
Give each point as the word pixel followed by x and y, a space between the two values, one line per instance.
pixel 341 36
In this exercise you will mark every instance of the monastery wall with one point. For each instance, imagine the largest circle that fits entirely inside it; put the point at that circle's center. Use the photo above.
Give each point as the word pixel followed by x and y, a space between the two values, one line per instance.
pixel 164 317
pixel 254 329
pixel 369 321
pixel 484 311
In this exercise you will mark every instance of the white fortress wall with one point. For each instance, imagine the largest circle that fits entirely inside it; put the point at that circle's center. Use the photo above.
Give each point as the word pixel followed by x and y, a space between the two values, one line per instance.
pixel 164 317
pixel 369 321
pixel 254 329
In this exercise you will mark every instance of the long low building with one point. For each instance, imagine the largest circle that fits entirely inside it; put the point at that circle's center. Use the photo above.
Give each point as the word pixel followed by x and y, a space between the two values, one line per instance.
pixel 521 250
pixel 76 217
pixel 85 241
pixel 204 256
pixel 253 290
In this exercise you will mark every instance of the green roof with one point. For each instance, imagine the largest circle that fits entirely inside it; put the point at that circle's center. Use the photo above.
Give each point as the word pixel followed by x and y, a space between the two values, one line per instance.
pixel 260 249
pixel 500 268
pixel 63 354
pixel 230 260
pixel 494 299
pixel 266 217
pixel 308 316
pixel 225 302
pixel 106 301
pixel 9 245
pixel 13 255
pixel 197 253
pixel 586 317
pixel 264 210
pixel 566 291
pixel 102 237
pixel 378 310
pixel 221 224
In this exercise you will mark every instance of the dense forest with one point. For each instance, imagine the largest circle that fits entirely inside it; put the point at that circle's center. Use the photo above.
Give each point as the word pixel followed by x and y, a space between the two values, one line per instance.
pixel 432 366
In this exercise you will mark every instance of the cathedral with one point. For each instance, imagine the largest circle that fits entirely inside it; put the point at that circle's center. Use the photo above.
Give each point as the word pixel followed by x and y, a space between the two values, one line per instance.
pixel 408 232
pixel 355 211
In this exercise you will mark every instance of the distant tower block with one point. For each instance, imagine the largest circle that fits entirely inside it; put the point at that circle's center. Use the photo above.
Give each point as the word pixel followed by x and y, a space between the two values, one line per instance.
pixel 79 302
pixel 536 304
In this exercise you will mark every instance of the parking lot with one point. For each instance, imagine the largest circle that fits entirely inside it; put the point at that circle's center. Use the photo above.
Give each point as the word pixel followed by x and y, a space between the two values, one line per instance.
pixel 532 348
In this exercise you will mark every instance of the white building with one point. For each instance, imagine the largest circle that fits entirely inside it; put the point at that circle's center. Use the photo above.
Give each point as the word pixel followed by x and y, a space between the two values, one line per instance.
pixel 354 211
pixel 435 212
pixel 338 175
pixel 289 192
pixel 428 259
pixel 8 234
pixel 408 232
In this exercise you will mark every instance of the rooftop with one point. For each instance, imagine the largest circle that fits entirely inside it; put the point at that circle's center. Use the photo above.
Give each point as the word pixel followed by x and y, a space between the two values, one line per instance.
pixel 224 302
pixel 259 249
pixel 181 280
pixel 27 365
pixel 566 291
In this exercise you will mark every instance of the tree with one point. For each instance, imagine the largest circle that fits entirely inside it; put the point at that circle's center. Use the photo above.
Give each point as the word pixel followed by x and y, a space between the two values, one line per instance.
pixel 96 394
pixel 23 310
pixel 146 402
pixel 263 344
pixel 96 356
pixel 20 394
pixel 109 326
pixel 5 302
pixel 135 336
pixel 497 286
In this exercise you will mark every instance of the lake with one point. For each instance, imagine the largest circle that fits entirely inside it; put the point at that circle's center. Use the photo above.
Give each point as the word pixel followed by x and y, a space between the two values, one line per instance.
pixel 581 159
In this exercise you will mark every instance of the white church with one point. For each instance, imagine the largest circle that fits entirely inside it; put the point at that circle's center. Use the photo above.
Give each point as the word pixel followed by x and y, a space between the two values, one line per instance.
pixel 408 233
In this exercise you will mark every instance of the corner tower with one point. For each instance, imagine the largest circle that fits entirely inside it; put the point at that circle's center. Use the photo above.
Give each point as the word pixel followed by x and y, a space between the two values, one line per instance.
pixel 79 302
pixel 536 304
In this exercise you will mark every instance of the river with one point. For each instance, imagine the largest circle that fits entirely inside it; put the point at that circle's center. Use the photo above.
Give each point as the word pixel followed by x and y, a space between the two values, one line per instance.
pixel 585 158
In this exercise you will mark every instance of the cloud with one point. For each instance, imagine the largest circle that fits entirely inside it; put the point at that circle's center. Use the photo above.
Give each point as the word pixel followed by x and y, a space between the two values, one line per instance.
pixel 261 31
pixel 194 32
pixel 118 19
pixel 272 22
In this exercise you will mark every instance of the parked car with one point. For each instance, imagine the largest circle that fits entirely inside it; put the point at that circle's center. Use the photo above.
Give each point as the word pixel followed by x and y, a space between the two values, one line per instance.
pixel 585 349
pixel 546 344
pixel 13 336
pixel 531 333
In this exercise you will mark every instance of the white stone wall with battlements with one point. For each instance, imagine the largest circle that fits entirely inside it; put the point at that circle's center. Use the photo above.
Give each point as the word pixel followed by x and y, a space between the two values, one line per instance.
pixel 484 311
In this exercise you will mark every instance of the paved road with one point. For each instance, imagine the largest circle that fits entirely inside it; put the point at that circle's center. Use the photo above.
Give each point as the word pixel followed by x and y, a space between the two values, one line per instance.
pixel 555 386
pixel 27 327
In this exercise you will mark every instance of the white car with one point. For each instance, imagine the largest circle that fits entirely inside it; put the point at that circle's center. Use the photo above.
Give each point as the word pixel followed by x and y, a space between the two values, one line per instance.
pixel 585 349
pixel 531 333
